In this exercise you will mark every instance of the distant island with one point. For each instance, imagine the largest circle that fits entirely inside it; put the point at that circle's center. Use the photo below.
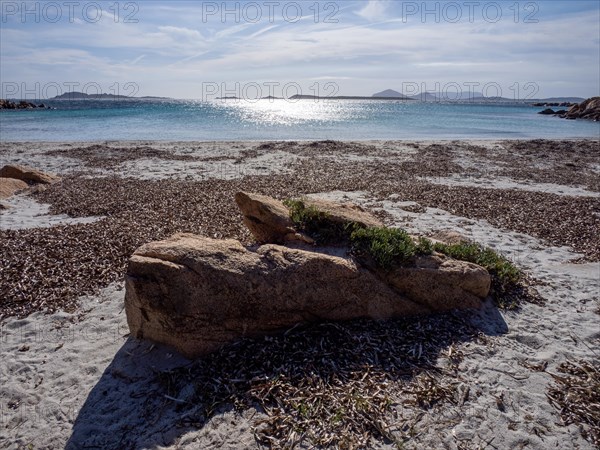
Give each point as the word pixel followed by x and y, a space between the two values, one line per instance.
pixel 386 95
pixel 459 97
pixel 346 97
pixel 477 97
pixel 390 93
pixel 74 95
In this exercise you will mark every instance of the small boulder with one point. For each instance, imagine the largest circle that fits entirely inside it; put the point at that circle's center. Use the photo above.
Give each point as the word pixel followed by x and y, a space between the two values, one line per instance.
pixel 269 219
pixel 10 186
pixel 27 174
pixel 547 112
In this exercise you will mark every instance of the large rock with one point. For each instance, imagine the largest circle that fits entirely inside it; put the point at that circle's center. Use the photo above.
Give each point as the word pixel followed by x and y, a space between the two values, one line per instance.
pixel 27 174
pixel 198 294
pixel 10 186
pixel 269 220
pixel 588 109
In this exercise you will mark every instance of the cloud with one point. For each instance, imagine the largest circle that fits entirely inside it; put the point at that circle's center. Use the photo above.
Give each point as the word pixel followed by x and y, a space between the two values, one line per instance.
pixel 169 45
pixel 374 10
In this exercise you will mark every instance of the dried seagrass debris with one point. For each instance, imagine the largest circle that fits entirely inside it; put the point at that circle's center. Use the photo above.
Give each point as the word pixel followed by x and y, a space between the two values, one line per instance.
pixel 576 395
pixel 331 384
pixel 107 157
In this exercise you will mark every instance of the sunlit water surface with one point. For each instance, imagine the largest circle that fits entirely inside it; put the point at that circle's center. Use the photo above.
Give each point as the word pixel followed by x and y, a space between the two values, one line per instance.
pixel 185 120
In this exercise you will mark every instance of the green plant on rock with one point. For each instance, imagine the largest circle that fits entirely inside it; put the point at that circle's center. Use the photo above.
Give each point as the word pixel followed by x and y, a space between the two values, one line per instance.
pixel 496 264
pixel 386 246
pixel 389 247
pixel 508 287
pixel 424 246
pixel 318 224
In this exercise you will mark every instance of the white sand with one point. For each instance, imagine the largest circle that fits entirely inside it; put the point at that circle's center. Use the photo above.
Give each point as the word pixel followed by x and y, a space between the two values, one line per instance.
pixel 509 183
pixel 78 380
pixel 26 212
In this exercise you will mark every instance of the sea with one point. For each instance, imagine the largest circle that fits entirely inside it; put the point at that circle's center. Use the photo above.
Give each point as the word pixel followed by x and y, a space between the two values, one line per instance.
pixel 281 119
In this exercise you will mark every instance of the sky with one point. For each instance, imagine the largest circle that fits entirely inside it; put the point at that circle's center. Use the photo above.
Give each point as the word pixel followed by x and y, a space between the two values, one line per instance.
pixel 200 50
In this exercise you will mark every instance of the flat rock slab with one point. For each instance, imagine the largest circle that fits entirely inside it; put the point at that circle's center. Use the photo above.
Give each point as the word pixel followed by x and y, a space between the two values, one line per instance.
pixel 344 213
pixel 199 294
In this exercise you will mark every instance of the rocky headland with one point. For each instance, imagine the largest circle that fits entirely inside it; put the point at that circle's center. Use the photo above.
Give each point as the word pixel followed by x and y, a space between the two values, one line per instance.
pixel 588 109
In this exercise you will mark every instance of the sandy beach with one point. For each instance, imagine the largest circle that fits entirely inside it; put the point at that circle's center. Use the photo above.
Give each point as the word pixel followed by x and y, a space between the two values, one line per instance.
pixel 73 377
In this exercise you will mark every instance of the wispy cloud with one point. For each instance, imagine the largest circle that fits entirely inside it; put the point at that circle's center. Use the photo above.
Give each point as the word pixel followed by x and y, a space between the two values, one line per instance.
pixel 374 10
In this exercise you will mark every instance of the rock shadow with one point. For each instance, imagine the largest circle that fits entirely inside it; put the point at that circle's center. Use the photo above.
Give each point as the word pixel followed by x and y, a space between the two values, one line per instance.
pixel 150 396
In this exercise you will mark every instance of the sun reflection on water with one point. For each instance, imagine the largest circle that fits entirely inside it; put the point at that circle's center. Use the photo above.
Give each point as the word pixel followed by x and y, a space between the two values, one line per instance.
pixel 271 112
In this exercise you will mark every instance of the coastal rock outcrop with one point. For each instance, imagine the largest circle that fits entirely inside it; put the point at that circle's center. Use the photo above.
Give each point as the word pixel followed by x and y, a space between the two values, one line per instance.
pixel 199 294
pixel 27 174
pixel 588 109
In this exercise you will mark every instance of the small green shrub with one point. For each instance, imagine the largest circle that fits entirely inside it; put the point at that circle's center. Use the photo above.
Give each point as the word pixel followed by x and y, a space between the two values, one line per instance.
pixel 425 246
pixel 495 263
pixel 387 246
pixel 317 224
pixel 302 215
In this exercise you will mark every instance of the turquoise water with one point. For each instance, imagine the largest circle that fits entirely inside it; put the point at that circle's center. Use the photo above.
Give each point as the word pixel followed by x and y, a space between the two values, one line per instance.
pixel 101 120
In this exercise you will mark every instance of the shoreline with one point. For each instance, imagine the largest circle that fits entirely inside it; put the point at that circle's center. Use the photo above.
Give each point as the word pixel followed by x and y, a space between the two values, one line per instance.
pixel 301 140
pixel 75 377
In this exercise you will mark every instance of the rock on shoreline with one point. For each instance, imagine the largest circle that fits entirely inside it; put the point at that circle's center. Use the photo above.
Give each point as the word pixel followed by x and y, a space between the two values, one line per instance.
pixel 588 109
pixel 23 104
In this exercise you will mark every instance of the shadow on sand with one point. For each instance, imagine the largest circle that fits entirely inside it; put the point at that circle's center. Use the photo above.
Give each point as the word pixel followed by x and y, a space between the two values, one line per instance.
pixel 150 396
